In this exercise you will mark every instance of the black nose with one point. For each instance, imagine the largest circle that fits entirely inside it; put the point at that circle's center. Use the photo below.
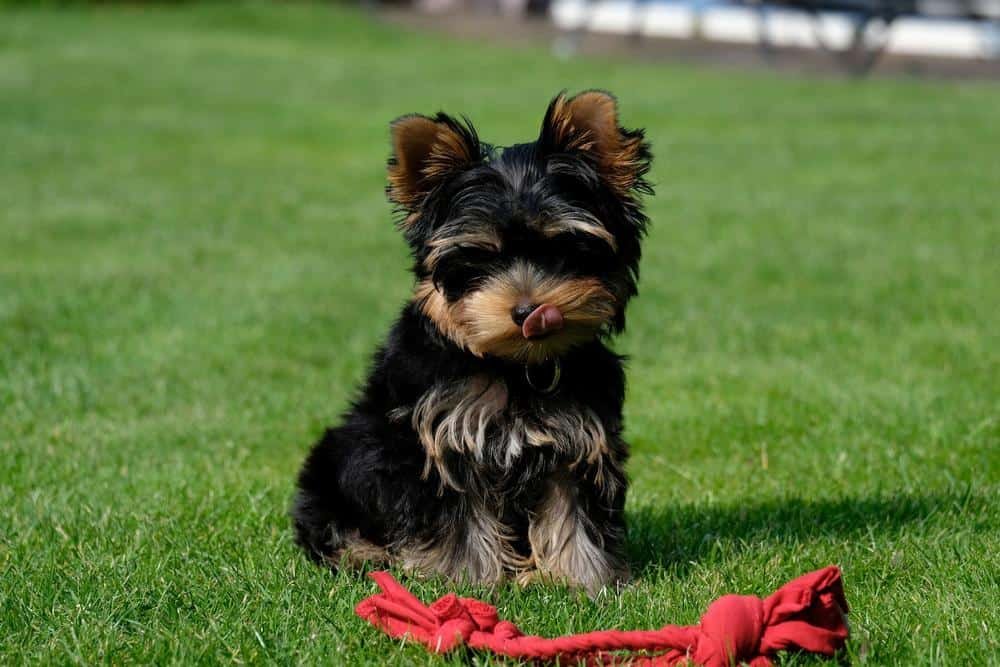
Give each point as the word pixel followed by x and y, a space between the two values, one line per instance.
pixel 520 312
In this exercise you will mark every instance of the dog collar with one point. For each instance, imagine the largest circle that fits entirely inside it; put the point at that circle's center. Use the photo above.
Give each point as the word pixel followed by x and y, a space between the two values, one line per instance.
pixel 540 387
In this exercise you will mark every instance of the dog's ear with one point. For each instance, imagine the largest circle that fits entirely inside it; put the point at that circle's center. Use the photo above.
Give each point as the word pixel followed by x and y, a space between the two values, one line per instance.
pixel 425 152
pixel 588 124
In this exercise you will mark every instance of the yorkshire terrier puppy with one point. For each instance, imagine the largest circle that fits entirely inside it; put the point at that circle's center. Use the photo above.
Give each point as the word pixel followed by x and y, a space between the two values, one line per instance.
pixel 487 441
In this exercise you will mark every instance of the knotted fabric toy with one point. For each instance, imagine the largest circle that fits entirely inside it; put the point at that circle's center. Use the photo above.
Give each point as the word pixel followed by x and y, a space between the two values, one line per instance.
pixel 807 614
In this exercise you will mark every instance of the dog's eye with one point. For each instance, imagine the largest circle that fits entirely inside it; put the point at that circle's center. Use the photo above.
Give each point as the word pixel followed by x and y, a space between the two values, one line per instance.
pixel 455 281
pixel 462 269
pixel 578 253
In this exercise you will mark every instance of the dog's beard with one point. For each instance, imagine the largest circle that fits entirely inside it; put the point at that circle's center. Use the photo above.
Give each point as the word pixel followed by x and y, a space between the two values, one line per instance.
pixel 481 320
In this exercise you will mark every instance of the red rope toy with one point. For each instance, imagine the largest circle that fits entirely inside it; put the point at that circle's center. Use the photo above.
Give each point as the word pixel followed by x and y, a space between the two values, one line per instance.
pixel 807 614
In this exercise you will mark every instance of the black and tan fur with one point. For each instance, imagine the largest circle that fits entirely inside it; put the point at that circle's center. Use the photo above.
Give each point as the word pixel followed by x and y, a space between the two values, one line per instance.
pixel 477 450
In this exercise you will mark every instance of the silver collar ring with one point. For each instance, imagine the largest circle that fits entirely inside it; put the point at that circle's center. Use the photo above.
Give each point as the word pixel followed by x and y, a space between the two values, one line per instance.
pixel 556 374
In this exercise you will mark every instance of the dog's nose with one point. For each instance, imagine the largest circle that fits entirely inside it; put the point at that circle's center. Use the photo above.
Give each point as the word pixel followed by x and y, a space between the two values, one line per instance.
pixel 520 312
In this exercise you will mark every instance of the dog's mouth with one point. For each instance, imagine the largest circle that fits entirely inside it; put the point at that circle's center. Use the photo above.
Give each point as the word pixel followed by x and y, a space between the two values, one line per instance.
pixel 487 320
pixel 543 321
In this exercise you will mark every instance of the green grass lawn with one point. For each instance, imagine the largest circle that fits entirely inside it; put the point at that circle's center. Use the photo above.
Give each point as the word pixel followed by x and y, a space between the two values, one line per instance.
pixel 196 261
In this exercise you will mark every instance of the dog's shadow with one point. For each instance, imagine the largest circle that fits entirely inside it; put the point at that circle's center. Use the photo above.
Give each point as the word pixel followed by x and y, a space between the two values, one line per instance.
pixel 677 536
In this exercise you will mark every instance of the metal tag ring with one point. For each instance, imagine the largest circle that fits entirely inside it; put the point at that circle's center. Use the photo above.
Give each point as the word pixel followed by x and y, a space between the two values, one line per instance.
pixel 556 375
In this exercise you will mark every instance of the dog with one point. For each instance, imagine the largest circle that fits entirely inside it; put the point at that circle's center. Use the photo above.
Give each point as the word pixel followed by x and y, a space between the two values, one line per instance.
pixel 487 441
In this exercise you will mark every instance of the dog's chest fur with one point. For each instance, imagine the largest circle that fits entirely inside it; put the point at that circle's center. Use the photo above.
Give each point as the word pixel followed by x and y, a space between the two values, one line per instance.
pixel 478 420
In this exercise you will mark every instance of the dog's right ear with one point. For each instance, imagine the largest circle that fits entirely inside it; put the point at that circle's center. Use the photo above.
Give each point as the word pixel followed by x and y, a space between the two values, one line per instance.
pixel 425 152
pixel 587 124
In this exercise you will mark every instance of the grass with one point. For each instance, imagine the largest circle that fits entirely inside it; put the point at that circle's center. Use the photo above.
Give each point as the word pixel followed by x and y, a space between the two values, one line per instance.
pixel 196 261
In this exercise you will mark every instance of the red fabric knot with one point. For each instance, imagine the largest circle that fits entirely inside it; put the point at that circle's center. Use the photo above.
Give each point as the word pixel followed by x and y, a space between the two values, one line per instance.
pixel 506 630
pixel 731 628
pixel 451 634
pixel 454 624
pixel 485 615
pixel 457 619
pixel 808 614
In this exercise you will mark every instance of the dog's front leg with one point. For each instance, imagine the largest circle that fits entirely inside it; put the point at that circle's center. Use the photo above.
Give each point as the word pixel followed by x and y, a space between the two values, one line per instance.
pixel 470 544
pixel 577 530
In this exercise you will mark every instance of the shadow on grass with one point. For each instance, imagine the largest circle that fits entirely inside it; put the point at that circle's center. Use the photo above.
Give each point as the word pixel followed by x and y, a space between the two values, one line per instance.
pixel 675 536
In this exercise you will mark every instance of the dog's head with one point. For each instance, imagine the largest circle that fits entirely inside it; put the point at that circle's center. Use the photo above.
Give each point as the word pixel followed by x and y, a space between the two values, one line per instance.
pixel 524 252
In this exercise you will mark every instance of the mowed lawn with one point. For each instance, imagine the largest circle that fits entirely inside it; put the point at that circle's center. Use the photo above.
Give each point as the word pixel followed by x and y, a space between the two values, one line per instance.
pixel 196 262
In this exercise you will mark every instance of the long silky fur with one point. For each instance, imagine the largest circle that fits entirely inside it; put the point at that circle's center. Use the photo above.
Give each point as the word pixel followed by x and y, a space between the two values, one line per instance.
pixel 470 418
pixel 451 460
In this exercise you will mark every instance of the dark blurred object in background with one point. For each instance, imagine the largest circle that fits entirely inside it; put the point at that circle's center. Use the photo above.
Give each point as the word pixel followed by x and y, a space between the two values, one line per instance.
pixel 960 37
pixel 527 8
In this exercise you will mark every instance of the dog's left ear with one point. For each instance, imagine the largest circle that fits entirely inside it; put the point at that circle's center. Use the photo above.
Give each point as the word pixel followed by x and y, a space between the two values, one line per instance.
pixel 588 124
pixel 426 152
